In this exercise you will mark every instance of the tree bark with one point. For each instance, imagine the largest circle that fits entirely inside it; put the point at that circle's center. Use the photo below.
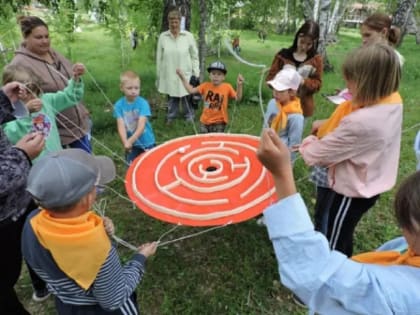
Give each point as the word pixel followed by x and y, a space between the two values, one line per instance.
pixel 202 47
pixel 308 12
pixel 401 16
pixel 323 22
pixel 184 6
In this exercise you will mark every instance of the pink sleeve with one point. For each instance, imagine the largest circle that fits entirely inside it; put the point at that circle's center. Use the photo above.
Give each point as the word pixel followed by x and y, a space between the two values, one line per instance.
pixel 340 145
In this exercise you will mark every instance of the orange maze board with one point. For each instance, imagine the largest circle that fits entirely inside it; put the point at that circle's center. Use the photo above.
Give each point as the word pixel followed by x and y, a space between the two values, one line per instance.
pixel 201 180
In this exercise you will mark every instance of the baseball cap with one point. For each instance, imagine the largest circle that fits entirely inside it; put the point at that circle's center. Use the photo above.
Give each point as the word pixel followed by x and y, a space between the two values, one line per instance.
pixel 217 65
pixel 62 178
pixel 286 79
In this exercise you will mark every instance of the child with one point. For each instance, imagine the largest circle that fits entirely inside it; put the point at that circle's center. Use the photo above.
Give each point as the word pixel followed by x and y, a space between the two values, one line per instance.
pixel 43 107
pixel 132 113
pixel 215 96
pixel 284 111
pixel 303 56
pixel 360 151
pixel 381 282
pixel 67 244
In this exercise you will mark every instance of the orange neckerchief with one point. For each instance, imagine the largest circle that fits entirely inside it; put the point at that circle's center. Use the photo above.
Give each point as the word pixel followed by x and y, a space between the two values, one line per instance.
pixel 346 108
pixel 78 245
pixel 389 258
pixel 280 121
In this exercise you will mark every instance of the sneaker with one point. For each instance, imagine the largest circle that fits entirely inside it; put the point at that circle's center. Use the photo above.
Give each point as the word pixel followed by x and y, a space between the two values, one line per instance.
pixel 298 301
pixel 41 295
pixel 261 221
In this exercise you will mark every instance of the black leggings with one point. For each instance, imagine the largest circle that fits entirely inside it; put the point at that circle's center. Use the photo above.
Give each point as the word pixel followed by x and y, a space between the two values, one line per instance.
pixel 336 216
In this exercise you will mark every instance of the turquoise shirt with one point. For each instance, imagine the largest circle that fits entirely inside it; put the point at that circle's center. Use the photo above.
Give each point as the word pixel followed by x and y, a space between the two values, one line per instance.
pixel 130 113
pixel 52 104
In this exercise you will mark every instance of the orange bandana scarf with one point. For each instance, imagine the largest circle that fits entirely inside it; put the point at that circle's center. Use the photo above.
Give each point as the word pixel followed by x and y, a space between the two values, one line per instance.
pixel 387 258
pixel 347 108
pixel 78 245
pixel 280 121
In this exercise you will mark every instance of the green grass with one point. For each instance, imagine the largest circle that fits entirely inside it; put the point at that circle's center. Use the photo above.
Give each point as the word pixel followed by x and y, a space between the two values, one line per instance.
pixel 231 270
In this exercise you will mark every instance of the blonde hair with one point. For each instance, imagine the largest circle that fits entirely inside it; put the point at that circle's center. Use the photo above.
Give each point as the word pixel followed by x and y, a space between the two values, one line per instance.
pixel 376 72
pixel 128 76
pixel 23 75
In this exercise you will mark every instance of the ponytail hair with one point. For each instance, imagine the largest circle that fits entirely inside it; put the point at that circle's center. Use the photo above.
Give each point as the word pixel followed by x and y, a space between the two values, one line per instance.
pixel 28 23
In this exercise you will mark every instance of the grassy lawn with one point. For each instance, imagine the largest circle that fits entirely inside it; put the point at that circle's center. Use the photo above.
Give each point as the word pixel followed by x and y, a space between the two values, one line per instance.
pixel 231 270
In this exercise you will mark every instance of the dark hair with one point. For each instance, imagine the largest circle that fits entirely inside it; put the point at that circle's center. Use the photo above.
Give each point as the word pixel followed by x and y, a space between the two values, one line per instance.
pixel 28 23
pixel 407 203
pixel 379 21
pixel 311 29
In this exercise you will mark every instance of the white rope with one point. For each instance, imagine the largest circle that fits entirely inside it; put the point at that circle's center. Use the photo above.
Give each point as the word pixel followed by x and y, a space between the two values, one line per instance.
pixel 194 234
pixel 239 58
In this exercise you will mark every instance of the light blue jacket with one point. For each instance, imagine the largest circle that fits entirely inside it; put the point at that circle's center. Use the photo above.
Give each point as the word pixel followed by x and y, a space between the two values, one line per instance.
pixel 327 281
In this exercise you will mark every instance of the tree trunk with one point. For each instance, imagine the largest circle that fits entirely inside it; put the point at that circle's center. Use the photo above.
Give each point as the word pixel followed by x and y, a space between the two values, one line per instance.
pixel 308 12
pixel 335 20
pixel 184 6
pixel 402 15
pixel 323 28
pixel 315 16
pixel 202 47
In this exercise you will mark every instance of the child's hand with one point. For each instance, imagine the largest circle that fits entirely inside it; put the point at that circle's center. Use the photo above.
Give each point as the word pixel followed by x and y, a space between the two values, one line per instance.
pixel 294 148
pixel 315 126
pixel 128 146
pixel 240 79
pixel 109 226
pixel 148 249
pixel 78 70
pixel 34 105
pixel 273 153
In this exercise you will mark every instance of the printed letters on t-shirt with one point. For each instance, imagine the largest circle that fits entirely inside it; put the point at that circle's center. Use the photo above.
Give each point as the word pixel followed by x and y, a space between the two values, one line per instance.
pixel 213 100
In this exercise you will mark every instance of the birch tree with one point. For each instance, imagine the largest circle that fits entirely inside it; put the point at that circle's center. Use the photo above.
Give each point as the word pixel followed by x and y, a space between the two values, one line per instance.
pixel 202 47
pixel 402 15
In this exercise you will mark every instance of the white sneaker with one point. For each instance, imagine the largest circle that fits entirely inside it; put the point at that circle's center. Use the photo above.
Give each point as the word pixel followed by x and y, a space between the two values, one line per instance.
pixel 261 221
pixel 41 295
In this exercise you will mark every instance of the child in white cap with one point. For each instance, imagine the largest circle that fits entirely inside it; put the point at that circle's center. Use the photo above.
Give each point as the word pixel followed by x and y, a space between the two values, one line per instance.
pixel 284 112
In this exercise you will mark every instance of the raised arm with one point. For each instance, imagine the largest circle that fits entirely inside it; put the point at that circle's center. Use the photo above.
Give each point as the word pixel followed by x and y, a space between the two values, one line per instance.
pixel 239 87
pixel 186 84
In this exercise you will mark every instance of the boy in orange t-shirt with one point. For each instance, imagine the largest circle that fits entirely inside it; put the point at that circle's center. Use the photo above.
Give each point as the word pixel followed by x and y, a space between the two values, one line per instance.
pixel 215 96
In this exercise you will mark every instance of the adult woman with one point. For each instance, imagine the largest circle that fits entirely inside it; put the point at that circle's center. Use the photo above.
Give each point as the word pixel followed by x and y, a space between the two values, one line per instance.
pixel 14 201
pixel 304 57
pixel 55 70
pixel 176 49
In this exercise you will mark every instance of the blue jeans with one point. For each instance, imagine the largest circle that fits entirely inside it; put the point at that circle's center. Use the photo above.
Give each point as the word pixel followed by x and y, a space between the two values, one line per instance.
pixel 173 107
pixel 82 143
pixel 292 134
pixel 135 152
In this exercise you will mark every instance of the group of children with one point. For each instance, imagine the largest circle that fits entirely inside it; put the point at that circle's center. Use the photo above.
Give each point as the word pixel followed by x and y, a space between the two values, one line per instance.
pixel 359 151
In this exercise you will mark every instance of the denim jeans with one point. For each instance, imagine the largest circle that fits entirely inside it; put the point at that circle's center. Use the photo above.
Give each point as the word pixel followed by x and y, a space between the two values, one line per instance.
pixel 292 134
pixel 82 143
